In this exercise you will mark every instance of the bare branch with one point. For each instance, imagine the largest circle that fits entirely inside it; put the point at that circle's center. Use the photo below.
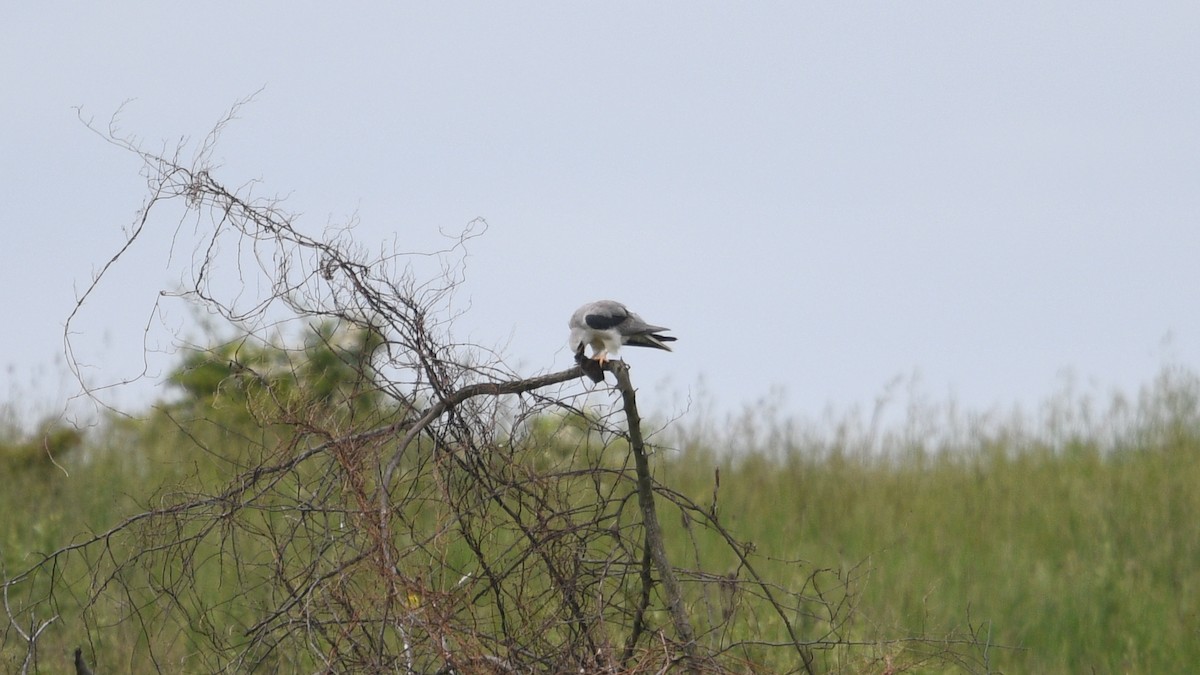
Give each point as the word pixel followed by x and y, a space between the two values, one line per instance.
pixel 361 492
pixel 654 537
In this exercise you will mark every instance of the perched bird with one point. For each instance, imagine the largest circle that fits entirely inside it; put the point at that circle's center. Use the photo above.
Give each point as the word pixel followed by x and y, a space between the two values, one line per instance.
pixel 606 325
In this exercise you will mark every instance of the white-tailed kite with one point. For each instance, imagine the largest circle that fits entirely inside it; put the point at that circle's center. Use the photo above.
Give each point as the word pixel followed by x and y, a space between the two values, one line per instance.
pixel 606 325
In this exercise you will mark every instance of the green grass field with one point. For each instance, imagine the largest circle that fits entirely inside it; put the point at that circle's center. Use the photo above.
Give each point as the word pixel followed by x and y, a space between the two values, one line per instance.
pixel 1075 547
pixel 1069 549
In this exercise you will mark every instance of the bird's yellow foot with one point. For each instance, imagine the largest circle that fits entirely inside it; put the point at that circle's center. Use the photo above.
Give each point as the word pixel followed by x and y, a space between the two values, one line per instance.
pixel 602 358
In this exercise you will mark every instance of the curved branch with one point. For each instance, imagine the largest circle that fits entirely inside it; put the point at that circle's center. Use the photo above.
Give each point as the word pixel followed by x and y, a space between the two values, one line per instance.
pixel 479 389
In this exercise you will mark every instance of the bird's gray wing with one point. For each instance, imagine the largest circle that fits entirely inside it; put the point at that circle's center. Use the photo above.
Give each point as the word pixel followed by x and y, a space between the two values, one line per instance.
pixel 637 333
pixel 634 325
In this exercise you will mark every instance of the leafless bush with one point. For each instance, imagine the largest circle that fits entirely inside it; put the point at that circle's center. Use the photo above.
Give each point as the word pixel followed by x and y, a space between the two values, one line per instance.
pixel 435 513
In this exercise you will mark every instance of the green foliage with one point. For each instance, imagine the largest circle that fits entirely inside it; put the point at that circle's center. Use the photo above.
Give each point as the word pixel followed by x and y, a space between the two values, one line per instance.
pixel 333 372
pixel 36 454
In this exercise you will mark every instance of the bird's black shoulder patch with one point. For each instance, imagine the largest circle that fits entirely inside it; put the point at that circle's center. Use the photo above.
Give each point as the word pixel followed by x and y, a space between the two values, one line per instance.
pixel 604 321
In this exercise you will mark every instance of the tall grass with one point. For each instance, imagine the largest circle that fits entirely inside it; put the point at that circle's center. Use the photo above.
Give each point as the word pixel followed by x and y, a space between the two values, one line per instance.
pixel 1073 547
pixel 1067 540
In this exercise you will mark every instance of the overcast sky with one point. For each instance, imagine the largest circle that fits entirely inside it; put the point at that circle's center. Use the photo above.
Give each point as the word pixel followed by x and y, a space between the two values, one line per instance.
pixel 817 196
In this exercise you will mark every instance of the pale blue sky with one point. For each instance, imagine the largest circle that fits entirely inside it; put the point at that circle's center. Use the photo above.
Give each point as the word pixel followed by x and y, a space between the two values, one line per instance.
pixel 819 196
